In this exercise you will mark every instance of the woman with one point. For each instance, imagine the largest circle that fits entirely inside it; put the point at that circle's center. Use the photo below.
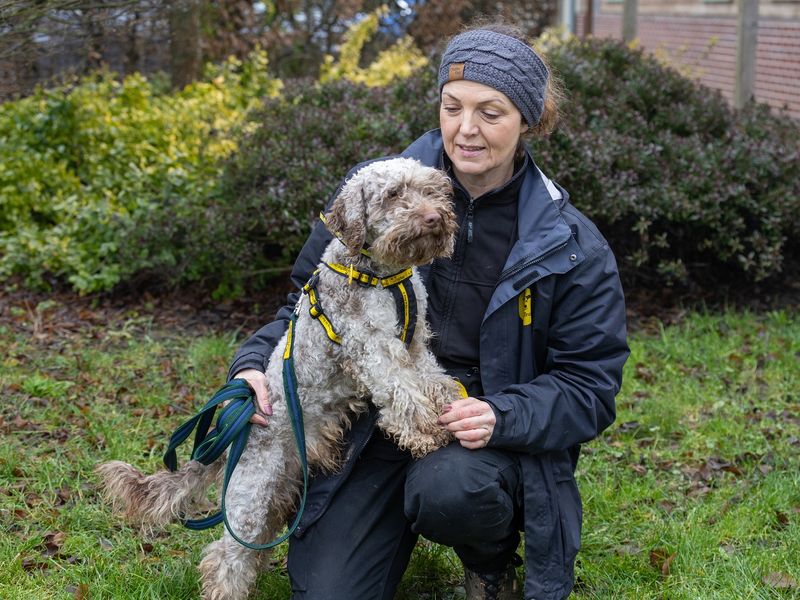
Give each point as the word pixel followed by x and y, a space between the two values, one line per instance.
pixel 528 314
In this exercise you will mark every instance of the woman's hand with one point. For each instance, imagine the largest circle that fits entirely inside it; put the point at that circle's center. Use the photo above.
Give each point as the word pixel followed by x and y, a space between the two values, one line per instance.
pixel 470 420
pixel 257 381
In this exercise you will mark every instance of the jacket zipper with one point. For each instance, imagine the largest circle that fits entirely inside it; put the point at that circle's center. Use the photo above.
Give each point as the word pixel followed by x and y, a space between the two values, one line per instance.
pixel 516 269
pixel 470 213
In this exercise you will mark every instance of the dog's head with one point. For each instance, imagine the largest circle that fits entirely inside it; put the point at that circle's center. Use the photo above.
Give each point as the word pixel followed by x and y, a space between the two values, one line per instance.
pixel 401 209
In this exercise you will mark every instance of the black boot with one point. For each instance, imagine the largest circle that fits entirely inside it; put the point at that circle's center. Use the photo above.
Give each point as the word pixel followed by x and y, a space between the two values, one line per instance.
pixel 499 585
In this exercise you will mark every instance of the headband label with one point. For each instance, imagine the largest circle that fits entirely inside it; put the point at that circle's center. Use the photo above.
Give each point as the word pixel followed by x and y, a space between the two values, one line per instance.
pixel 456 71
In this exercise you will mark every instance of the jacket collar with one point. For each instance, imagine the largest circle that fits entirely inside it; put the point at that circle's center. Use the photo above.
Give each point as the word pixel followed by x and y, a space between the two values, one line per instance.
pixel 545 244
pixel 541 228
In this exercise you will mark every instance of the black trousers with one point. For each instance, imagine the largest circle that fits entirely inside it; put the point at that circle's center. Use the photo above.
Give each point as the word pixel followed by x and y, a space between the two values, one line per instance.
pixel 360 547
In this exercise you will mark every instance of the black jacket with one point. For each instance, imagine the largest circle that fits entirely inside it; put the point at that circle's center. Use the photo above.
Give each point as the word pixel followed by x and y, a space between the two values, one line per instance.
pixel 552 348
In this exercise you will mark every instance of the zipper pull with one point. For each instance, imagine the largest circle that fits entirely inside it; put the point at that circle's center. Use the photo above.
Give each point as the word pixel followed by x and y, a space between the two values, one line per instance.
pixel 470 209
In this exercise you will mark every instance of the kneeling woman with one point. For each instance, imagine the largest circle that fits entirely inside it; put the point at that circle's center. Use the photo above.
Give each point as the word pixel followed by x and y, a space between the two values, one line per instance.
pixel 528 314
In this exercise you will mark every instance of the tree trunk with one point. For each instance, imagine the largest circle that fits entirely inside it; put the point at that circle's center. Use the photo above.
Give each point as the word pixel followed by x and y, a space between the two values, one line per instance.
pixel 185 52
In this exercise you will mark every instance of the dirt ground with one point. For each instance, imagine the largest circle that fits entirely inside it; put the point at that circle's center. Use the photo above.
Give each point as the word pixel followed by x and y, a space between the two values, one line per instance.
pixel 65 313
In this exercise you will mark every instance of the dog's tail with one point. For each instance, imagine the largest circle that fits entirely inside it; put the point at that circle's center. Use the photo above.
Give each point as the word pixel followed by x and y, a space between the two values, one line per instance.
pixel 159 498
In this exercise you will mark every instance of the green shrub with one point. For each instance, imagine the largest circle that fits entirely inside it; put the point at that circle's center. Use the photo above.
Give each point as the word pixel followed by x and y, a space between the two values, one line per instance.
pixel 109 183
pixel 85 168
pixel 685 188
pixel 304 144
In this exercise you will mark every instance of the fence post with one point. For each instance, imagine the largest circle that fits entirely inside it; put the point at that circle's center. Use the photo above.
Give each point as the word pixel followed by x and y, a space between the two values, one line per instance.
pixel 746 42
pixel 568 16
pixel 629 20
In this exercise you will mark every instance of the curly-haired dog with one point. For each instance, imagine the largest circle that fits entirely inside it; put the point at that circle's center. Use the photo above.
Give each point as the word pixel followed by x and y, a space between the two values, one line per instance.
pixel 402 212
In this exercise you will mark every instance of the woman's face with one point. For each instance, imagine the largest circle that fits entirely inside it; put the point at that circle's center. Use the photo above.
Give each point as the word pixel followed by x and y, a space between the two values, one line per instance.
pixel 480 128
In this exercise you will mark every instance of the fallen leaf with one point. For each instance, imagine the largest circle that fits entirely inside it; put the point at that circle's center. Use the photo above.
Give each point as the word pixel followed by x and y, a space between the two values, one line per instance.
pixel 667 506
pixel 781 581
pixel 30 564
pixel 661 559
pixel 628 549
pixel 62 496
pixel 643 373
pixel 639 469
pixel 53 542
pixel 629 426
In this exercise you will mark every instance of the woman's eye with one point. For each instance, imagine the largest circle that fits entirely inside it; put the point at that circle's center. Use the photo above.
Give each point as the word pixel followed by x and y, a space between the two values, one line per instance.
pixel 490 116
pixel 450 110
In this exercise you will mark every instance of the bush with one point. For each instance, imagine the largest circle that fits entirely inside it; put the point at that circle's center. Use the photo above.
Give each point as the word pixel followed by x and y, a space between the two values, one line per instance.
pixel 685 188
pixel 304 144
pixel 86 169
pixel 109 182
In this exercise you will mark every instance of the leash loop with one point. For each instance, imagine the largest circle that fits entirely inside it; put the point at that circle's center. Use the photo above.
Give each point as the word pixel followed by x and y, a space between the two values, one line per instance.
pixel 232 430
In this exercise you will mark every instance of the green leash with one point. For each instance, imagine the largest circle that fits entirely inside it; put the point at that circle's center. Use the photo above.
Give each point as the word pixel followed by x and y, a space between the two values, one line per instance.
pixel 232 429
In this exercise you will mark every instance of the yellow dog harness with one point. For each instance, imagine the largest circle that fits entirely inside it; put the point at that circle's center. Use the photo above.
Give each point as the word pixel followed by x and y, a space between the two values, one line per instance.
pixel 398 285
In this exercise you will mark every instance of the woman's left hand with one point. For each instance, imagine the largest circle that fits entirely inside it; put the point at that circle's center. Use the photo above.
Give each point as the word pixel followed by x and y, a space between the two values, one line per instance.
pixel 470 420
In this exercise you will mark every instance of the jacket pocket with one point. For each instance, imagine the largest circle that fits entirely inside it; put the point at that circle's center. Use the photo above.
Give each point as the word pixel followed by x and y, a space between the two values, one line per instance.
pixel 570 509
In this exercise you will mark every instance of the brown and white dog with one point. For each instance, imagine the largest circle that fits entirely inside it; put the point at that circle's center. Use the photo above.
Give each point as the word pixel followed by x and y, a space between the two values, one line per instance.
pixel 402 210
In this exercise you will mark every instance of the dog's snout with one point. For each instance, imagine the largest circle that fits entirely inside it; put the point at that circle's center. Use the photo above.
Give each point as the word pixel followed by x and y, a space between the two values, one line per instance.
pixel 431 219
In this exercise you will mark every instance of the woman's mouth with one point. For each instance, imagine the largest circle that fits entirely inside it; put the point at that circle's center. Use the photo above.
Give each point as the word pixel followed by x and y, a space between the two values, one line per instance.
pixel 469 151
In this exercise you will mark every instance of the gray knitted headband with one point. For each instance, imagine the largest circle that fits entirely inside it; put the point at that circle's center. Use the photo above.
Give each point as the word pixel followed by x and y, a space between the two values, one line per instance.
pixel 501 62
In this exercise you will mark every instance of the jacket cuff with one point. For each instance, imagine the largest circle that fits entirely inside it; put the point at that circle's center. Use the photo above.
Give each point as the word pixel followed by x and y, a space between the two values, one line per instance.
pixel 252 360
pixel 502 407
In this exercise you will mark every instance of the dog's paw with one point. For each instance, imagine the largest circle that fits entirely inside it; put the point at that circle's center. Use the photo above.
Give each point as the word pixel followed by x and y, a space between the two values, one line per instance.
pixel 422 445
pixel 444 390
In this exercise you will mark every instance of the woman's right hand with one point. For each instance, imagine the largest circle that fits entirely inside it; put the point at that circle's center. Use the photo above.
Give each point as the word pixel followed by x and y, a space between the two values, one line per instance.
pixel 257 381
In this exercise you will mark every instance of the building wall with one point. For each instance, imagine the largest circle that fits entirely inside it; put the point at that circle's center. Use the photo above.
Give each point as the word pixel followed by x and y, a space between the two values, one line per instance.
pixel 699 39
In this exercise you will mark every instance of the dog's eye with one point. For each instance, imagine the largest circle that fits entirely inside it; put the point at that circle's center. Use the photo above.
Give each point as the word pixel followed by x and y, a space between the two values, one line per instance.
pixel 392 194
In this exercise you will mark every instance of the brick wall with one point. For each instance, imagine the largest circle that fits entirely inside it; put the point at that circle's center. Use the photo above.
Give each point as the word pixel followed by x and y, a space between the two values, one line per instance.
pixel 704 47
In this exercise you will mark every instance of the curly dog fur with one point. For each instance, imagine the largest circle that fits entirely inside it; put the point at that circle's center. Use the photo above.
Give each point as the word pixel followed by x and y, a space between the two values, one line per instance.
pixel 403 211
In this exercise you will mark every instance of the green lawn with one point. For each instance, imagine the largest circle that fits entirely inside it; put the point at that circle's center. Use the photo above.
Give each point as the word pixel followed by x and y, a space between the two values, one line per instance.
pixel 694 493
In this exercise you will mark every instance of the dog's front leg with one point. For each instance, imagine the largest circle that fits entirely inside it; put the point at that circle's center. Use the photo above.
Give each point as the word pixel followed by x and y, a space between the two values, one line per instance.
pixel 409 395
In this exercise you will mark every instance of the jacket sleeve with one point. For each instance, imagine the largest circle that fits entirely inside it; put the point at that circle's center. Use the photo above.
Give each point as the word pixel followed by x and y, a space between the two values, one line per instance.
pixel 573 400
pixel 255 352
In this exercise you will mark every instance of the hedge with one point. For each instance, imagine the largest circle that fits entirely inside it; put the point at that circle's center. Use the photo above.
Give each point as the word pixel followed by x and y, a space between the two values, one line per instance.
pixel 687 190
pixel 87 168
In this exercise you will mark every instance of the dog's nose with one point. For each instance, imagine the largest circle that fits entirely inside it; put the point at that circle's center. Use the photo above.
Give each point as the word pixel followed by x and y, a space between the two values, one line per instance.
pixel 432 219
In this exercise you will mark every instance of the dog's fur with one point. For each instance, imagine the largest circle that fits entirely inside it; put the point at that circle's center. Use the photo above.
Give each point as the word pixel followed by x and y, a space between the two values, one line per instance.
pixel 403 210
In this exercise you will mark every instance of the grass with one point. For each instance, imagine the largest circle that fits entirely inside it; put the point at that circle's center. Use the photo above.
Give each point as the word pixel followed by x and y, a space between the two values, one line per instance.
pixel 694 493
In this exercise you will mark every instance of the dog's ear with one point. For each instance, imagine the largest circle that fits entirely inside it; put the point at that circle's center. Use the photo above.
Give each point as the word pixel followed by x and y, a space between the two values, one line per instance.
pixel 347 217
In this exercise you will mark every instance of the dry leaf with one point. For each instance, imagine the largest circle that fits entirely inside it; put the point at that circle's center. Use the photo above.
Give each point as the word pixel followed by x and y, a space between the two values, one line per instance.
pixel 781 581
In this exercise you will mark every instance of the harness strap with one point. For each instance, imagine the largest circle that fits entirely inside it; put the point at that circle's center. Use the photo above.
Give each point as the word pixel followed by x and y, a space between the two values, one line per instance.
pixel 405 300
pixel 232 429
pixel 405 304
pixel 367 278
pixel 316 311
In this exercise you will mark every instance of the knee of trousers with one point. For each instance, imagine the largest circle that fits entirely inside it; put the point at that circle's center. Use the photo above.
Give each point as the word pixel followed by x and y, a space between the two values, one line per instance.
pixel 457 498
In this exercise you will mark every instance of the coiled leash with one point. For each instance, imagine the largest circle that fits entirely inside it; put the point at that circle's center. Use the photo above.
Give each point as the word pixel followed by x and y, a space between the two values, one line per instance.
pixel 232 429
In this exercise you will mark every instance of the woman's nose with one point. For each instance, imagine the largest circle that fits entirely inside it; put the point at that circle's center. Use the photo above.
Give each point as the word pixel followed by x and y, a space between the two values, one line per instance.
pixel 468 125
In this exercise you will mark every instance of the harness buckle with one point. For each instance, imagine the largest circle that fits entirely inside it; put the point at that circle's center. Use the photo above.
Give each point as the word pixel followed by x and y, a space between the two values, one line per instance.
pixel 365 280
